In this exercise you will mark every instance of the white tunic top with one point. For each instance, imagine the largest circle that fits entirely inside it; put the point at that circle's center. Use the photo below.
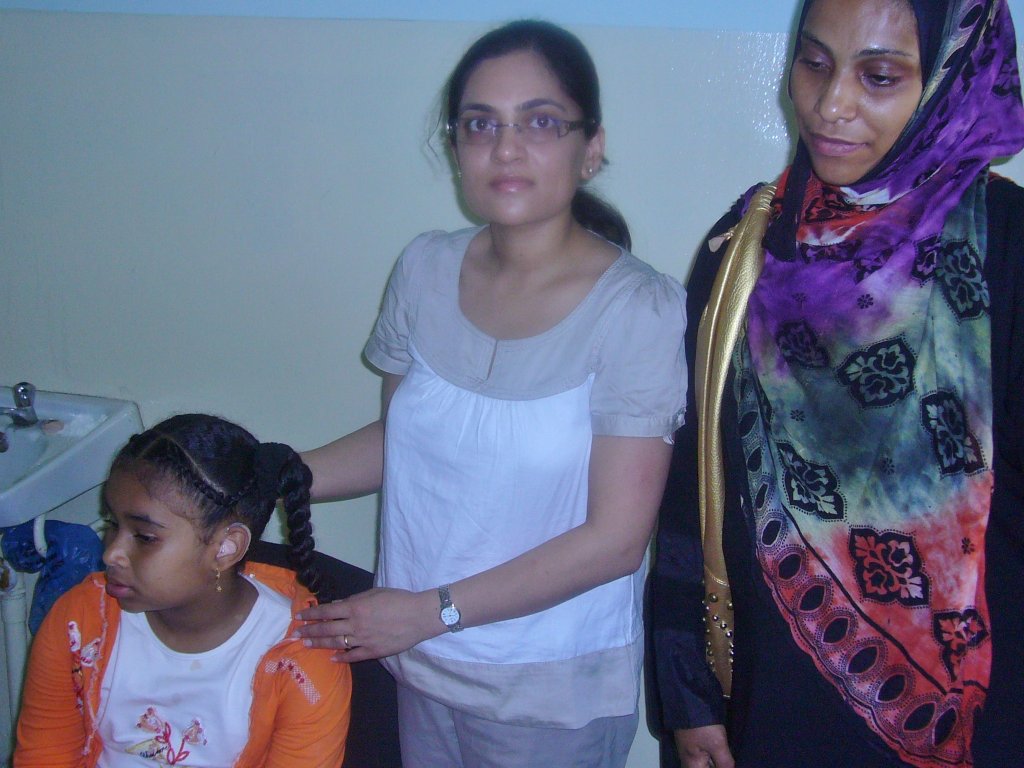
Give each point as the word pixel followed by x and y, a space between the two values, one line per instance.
pixel 487 456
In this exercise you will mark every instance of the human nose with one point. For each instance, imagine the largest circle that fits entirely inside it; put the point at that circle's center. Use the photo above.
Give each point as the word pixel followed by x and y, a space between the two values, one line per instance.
pixel 837 100
pixel 507 140
pixel 113 550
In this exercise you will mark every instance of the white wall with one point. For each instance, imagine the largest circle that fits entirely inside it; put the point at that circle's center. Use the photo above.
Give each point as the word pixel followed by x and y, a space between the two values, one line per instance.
pixel 746 15
pixel 201 213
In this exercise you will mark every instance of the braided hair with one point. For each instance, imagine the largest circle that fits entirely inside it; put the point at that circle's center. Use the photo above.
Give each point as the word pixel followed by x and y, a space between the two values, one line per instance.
pixel 228 476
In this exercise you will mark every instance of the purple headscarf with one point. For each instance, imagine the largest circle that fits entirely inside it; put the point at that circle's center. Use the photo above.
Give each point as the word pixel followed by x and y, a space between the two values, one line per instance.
pixel 865 398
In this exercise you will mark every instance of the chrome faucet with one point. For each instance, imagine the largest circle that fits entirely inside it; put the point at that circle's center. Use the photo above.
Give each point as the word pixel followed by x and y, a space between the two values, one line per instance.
pixel 23 414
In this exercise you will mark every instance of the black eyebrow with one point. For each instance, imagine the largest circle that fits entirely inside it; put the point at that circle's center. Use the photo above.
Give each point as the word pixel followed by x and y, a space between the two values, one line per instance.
pixel 534 103
pixel 524 107
pixel 475 108
pixel 134 517
pixel 863 53
pixel 144 519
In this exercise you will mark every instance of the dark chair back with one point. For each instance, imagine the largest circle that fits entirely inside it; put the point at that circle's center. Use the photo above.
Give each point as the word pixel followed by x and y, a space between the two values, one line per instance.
pixel 373 731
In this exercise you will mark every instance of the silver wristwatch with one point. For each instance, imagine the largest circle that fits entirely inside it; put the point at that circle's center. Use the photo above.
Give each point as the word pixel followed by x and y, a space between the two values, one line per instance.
pixel 450 615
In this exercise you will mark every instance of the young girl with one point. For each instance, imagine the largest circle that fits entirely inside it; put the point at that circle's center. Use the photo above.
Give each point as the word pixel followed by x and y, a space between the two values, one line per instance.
pixel 535 367
pixel 177 654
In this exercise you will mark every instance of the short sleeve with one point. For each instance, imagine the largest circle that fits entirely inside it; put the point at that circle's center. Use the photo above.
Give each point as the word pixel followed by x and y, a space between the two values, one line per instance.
pixel 640 378
pixel 388 346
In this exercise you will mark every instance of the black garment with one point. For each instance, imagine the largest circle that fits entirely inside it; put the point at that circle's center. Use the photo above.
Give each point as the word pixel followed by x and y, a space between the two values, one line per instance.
pixel 783 712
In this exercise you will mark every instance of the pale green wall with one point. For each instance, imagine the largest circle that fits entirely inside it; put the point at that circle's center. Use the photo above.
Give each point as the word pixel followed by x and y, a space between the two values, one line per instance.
pixel 201 213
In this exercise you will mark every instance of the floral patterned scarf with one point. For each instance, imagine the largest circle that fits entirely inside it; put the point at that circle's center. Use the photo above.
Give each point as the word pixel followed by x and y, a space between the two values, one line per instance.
pixel 865 400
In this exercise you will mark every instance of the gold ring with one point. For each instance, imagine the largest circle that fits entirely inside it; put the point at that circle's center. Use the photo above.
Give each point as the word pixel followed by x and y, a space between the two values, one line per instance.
pixel 344 639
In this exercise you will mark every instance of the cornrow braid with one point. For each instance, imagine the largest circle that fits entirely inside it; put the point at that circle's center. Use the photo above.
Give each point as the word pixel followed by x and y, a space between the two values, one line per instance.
pixel 202 481
pixel 164 452
pixel 221 499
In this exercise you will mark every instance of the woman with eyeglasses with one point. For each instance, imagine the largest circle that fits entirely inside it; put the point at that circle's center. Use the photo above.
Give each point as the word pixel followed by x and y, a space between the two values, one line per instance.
pixel 872 424
pixel 533 373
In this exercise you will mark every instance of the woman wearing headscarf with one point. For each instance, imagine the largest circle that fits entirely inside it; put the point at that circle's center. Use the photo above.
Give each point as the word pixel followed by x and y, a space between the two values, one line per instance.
pixel 871 425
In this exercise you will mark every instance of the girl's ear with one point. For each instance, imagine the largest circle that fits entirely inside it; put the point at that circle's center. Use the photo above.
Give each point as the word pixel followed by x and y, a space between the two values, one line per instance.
pixel 234 543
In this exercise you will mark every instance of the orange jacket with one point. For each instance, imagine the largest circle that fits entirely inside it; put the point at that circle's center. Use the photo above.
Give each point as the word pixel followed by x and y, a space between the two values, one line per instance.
pixel 300 702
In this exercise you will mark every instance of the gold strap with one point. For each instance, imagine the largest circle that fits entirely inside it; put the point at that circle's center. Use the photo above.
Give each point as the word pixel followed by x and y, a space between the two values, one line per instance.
pixel 720 326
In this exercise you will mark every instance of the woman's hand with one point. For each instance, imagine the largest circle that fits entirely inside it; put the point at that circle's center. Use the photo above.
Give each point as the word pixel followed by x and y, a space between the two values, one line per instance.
pixel 372 624
pixel 704 747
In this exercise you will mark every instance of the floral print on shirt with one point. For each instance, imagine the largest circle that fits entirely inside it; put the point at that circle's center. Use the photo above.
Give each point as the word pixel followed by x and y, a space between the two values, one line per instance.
pixel 160 747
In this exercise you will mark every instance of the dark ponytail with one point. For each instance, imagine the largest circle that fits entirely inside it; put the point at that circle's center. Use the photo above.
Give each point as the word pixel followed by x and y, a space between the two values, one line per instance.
pixel 229 476
pixel 601 218
pixel 570 63
pixel 294 481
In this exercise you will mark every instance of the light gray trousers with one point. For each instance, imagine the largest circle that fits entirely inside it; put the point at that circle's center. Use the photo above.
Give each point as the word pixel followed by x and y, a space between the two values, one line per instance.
pixel 434 736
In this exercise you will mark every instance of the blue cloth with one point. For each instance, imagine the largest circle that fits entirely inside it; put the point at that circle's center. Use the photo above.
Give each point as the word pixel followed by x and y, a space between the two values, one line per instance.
pixel 73 552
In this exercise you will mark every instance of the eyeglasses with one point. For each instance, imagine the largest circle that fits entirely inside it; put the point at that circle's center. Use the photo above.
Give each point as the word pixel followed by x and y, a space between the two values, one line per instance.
pixel 535 129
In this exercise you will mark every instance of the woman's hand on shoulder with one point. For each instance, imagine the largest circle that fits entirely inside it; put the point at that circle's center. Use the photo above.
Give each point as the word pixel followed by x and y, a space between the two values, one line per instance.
pixel 704 747
pixel 372 624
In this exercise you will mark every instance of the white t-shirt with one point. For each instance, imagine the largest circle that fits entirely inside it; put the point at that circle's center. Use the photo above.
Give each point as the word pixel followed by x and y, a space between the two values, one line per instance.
pixel 162 707
pixel 487 456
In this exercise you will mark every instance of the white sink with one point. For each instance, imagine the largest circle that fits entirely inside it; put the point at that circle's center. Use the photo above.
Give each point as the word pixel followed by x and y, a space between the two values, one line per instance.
pixel 44 468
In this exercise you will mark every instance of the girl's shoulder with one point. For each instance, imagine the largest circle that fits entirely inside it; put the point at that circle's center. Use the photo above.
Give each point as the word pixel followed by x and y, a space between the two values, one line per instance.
pixel 90 594
pixel 306 677
pixel 82 616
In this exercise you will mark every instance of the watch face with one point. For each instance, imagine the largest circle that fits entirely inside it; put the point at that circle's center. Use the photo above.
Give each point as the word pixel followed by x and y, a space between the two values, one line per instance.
pixel 450 615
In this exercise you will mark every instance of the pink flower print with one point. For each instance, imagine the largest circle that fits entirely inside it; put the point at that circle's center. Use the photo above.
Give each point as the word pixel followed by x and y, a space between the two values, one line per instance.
pixel 160 747
pixel 90 653
pixel 74 637
pixel 195 734
pixel 151 721
pixel 80 657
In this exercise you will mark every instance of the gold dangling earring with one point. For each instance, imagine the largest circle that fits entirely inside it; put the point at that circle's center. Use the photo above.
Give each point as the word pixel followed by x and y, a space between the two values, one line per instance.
pixel 219 587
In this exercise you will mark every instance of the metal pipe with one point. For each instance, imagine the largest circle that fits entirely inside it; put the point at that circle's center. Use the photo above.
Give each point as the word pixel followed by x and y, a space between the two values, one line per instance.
pixel 39 535
pixel 13 612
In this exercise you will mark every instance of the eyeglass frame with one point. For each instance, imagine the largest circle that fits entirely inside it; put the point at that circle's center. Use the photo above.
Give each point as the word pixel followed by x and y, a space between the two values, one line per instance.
pixel 565 127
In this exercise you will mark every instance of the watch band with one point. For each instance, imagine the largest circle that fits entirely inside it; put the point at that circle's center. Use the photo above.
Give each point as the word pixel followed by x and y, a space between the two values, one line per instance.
pixel 449 615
